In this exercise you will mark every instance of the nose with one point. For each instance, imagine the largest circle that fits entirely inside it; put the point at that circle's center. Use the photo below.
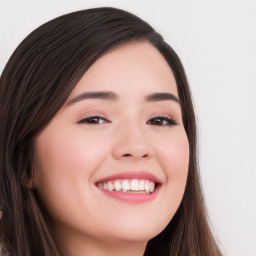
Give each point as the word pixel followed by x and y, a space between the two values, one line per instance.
pixel 132 145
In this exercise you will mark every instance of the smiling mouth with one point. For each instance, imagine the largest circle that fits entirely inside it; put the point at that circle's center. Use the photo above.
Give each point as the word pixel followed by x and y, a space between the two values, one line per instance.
pixel 131 186
pixel 128 186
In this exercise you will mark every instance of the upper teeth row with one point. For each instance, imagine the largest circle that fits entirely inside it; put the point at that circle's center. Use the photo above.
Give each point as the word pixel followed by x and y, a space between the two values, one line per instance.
pixel 126 185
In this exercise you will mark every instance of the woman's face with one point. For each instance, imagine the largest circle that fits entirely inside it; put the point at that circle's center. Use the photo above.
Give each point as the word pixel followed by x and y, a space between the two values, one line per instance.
pixel 119 135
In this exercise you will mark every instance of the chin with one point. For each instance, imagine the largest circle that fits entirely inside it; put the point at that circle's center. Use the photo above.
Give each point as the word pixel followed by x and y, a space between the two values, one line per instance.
pixel 143 232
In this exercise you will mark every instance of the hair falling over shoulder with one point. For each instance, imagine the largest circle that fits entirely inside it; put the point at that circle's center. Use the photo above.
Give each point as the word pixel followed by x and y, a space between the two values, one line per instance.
pixel 35 84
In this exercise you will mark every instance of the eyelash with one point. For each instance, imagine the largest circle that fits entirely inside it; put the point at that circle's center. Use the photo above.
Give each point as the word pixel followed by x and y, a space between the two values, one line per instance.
pixel 169 121
pixel 94 120
pixel 91 120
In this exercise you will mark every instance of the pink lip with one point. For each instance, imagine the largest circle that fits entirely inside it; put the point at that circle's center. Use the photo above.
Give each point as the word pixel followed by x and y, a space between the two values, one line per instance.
pixel 132 197
pixel 129 175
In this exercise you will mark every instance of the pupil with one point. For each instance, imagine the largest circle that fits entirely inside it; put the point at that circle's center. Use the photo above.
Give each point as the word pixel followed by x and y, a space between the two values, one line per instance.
pixel 158 121
pixel 94 120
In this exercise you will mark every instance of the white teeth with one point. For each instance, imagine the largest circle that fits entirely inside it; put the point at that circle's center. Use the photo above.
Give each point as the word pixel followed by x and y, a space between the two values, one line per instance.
pixel 147 186
pixel 110 186
pixel 151 186
pixel 125 185
pixel 135 185
pixel 117 186
pixel 142 187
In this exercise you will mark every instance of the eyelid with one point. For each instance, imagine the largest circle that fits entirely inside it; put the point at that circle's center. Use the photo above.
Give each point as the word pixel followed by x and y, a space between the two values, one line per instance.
pixel 170 121
pixel 83 120
pixel 91 114
pixel 164 115
pixel 99 114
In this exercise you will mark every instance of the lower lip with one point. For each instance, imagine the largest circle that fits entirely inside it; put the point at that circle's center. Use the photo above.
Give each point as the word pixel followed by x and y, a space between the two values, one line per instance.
pixel 132 197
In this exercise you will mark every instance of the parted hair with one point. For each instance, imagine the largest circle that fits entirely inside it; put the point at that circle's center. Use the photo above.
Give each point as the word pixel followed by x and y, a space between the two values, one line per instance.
pixel 35 84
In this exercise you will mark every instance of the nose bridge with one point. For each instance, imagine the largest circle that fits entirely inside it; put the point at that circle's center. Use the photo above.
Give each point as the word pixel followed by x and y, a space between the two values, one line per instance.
pixel 132 142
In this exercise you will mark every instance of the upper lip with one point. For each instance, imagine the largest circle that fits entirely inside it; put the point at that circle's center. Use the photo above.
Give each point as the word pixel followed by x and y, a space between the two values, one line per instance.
pixel 142 175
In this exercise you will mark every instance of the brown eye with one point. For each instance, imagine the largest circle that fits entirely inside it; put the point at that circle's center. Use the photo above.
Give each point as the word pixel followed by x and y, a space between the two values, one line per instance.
pixel 93 120
pixel 161 121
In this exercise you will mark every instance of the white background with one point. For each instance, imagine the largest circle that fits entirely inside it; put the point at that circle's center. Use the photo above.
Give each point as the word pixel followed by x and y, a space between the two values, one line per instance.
pixel 216 43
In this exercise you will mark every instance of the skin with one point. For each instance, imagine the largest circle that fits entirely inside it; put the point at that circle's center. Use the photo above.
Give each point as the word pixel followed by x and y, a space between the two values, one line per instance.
pixel 72 156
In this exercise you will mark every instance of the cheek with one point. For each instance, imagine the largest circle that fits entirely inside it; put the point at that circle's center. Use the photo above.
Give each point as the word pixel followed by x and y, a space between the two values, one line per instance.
pixel 174 154
pixel 68 152
pixel 66 162
pixel 174 159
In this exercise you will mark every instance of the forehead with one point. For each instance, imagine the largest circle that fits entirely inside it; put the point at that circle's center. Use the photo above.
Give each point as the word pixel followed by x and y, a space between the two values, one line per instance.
pixel 134 67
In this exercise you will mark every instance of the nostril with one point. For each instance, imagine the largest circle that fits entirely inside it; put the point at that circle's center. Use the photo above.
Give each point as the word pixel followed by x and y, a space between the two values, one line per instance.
pixel 131 155
pixel 127 155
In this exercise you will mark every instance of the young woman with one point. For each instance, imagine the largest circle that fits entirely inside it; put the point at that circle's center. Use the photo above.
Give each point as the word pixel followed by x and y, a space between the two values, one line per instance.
pixel 98 152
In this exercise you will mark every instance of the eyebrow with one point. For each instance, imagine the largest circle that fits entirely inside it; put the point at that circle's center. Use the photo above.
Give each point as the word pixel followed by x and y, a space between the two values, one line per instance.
pixel 111 96
pixel 160 96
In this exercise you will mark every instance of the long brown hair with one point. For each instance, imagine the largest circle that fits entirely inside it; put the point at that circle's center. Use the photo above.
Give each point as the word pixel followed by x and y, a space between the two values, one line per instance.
pixel 35 84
